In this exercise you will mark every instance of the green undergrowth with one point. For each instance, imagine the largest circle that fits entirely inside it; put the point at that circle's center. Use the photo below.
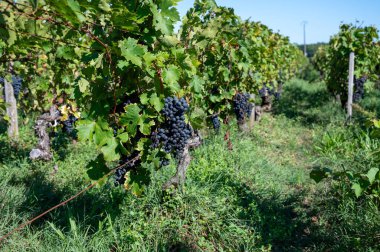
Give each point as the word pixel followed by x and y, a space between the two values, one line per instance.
pixel 371 101
pixel 256 197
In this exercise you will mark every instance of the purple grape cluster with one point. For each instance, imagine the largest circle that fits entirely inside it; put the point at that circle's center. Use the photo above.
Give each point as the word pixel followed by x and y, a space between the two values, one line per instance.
pixel 242 106
pixel 120 173
pixel 265 91
pixel 120 176
pixel 69 124
pixel 175 132
pixel 215 122
pixel 164 162
pixel 17 85
pixel 277 96
pixel 359 88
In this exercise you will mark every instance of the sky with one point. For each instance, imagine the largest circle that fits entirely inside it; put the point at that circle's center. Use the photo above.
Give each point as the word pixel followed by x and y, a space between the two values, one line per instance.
pixel 323 17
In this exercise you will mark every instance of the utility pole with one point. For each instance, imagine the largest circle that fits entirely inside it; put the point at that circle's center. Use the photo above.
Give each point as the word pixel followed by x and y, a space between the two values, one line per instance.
pixel 304 38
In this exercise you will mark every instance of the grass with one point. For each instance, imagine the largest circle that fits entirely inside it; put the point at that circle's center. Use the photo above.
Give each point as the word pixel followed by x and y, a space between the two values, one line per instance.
pixel 371 101
pixel 257 197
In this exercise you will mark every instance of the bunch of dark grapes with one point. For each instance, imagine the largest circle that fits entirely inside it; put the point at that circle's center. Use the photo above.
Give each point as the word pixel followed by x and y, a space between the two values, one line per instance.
pixel 17 85
pixel 69 125
pixel 359 88
pixel 120 173
pixel 242 106
pixel 277 96
pixel 264 91
pixel 174 133
pixel 120 176
pixel 164 162
pixel 215 122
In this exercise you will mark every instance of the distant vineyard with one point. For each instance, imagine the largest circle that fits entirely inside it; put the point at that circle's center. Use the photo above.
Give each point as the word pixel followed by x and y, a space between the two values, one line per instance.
pixel 332 60
pixel 311 49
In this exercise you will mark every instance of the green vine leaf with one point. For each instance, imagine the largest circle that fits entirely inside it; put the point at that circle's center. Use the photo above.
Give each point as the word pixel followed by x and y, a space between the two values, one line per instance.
pixel 371 175
pixel 156 102
pixel 124 137
pixel 105 6
pixel 96 169
pixel 85 129
pixel 66 52
pixel 69 9
pixel 83 85
pixel 144 99
pixel 131 118
pixel 109 150
pixel 145 124
pixel 197 84
pixel 358 190
pixel 171 76
pixel 102 135
pixel 132 52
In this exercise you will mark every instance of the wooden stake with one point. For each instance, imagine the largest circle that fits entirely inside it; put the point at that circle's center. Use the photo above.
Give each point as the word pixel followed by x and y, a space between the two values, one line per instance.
pixel 350 85
pixel 11 110
pixel 252 117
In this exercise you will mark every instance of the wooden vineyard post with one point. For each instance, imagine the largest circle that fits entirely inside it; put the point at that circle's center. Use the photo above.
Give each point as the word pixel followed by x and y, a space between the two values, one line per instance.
pixel 11 110
pixel 243 126
pixel 252 117
pixel 350 85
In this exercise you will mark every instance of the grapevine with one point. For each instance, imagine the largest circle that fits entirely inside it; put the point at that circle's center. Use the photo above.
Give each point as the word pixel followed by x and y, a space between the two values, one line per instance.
pixel 332 61
pixel 119 68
